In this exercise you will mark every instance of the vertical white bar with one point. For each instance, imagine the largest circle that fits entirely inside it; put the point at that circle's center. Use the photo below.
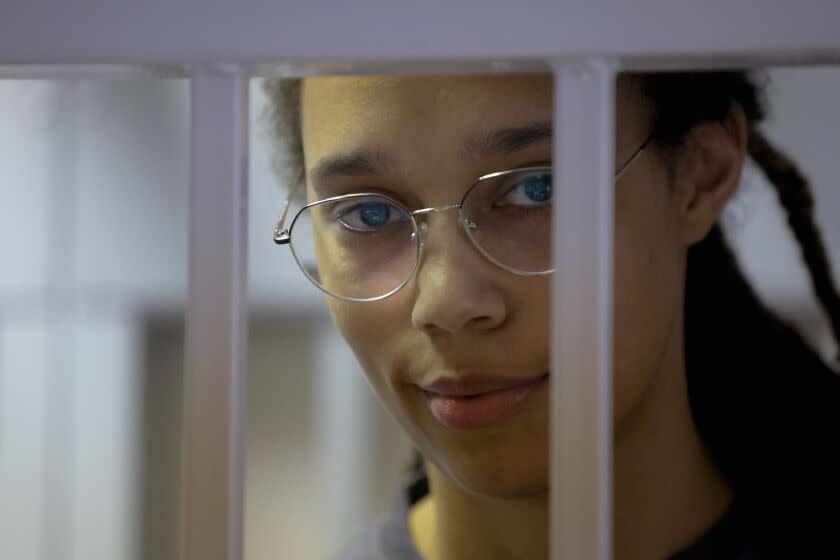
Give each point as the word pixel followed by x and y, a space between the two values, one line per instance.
pixel 345 414
pixel 61 531
pixel 24 374
pixel 214 375
pixel 581 390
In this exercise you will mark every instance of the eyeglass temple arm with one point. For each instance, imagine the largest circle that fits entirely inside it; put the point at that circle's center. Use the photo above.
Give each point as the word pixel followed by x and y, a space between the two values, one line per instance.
pixel 632 159
pixel 281 234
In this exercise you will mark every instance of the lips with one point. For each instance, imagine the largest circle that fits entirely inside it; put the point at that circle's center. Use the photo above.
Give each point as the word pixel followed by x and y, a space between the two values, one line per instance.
pixel 477 401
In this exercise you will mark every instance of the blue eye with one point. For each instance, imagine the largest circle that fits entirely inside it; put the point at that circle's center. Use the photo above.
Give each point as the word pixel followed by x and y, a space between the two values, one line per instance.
pixel 374 214
pixel 371 216
pixel 537 187
pixel 530 190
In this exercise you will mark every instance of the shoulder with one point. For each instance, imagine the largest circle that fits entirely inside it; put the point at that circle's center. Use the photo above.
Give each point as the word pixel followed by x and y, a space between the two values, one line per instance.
pixel 389 538
pixel 364 546
pixel 380 541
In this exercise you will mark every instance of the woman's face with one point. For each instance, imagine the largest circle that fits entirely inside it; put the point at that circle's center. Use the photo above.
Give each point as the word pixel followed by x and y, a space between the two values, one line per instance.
pixel 462 318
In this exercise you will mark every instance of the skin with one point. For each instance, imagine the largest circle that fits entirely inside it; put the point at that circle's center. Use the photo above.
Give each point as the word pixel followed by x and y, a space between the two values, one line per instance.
pixel 462 313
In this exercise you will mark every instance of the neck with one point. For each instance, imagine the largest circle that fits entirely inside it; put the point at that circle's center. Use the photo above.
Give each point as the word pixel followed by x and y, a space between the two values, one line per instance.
pixel 470 526
pixel 667 491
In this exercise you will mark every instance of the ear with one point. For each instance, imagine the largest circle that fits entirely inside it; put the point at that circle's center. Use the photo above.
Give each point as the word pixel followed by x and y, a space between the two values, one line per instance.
pixel 708 172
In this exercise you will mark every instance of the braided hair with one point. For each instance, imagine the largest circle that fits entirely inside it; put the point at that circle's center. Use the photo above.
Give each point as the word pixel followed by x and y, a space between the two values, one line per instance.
pixel 765 405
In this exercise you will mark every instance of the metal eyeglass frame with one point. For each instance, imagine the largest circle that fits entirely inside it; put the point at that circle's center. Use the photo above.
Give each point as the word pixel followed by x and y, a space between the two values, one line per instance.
pixel 283 236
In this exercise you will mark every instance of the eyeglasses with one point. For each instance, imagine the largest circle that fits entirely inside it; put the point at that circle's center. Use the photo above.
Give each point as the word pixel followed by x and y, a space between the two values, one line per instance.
pixel 367 246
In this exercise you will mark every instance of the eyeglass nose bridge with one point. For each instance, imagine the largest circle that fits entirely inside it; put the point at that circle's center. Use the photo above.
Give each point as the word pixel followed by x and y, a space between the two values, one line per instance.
pixel 423 227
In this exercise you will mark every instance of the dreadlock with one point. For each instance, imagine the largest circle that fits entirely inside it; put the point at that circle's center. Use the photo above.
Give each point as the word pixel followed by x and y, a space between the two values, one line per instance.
pixel 795 197
pixel 766 406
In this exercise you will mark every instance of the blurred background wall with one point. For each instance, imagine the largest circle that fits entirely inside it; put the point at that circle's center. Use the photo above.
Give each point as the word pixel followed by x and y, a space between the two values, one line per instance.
pixel 93 230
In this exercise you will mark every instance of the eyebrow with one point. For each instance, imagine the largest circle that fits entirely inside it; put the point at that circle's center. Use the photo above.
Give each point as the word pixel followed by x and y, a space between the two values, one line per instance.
pixel 354 164
pixel 507 140
pixel 372 162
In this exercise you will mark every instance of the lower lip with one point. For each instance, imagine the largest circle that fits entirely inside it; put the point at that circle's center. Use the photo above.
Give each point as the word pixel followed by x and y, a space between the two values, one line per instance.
pixel 486 409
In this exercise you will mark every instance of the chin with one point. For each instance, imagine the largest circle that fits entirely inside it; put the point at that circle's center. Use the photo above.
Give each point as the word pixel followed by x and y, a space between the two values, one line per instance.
pixel 497 472
pixel 500 483
pixel 506 461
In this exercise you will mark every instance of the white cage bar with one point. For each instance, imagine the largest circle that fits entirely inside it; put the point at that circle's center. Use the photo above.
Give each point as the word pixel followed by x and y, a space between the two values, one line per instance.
pixel 220 45
pixel 214 373
pixel 196 31
pixel 581 412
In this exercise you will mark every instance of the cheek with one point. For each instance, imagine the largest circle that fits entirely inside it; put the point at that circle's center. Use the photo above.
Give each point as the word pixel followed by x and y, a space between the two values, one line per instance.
pixel 647 291
pixel 376 332
pixel 366 327
pixel 383 340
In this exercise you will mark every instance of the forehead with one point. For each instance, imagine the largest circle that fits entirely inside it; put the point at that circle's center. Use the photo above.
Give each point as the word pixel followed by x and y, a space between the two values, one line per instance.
pixel 415 113
pixel 427 93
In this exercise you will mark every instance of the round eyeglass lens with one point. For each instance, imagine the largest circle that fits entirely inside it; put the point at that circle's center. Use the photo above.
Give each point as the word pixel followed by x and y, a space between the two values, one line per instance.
pixel 508 216
pixel 357 247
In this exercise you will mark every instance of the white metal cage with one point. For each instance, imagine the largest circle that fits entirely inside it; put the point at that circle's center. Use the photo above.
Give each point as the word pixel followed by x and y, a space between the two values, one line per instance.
pixel 220 46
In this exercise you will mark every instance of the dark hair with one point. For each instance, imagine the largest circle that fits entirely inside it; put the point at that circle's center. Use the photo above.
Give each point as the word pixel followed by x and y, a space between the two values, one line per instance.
pixel 766 406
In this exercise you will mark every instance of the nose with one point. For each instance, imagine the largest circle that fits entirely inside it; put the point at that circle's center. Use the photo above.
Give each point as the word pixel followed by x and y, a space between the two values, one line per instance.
pixel 457 290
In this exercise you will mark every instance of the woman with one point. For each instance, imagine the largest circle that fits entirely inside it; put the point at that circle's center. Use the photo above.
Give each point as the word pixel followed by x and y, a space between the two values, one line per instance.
pixel 725 422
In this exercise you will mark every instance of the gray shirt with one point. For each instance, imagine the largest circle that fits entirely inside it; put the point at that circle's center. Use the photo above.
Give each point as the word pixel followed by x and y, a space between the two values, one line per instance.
pixel 390 538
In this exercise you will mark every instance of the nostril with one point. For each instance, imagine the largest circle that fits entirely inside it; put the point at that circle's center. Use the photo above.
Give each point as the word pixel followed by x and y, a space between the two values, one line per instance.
pixel 483 322
pixel 478 323
pixel 433 330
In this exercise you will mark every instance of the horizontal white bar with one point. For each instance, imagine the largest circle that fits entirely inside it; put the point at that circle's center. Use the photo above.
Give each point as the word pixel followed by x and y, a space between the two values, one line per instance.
pixel 306 67
pixel 200 31
pixel 581 388
pixel 82 71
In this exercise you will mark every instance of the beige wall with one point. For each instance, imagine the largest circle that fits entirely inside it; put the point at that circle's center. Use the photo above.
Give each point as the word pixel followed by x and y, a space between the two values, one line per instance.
pixel 289 508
